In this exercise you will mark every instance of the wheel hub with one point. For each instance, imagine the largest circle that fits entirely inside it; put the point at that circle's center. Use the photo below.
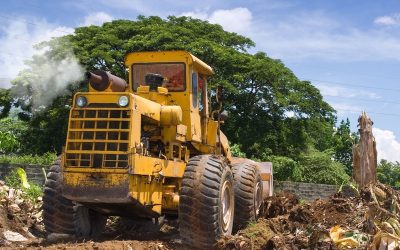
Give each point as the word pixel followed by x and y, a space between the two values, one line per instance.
pixel 227 205
pixel 258 199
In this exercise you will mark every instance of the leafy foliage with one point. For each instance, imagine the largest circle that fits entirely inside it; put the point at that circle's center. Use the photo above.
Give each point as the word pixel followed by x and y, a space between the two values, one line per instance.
pixel 389 173
pixel 45 159
pixel 5 102
pixel 236 151
pixel 32 192
pixel 320 168
pixel 287 169
pixel 343 140
pixel 8 142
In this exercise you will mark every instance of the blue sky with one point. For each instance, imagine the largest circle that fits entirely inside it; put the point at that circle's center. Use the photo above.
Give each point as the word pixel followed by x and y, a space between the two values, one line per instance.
pixel 350 50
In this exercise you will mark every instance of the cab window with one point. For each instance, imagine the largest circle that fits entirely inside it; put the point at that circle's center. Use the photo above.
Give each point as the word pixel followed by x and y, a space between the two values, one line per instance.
pixel 194 89
pixel 173 75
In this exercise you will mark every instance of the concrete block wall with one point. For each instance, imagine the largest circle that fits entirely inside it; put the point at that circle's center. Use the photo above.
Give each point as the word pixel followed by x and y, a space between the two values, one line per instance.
pixel 33 172
pixel 306 191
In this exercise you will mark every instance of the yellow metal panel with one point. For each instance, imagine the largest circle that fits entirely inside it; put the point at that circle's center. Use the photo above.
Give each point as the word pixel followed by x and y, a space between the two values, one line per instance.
pixel 144 165
pixel 181 131
pixel 106 180
pixel 147 191
pixel 148 108
pixel 135 128
pixel 212 127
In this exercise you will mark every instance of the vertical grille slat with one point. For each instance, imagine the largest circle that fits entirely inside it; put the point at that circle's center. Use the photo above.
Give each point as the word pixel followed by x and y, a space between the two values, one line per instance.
pixel 98 137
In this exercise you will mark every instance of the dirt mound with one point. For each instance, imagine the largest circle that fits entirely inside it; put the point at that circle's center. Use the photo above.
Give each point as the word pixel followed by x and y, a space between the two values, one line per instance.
pixel 368 220
pixel 279 204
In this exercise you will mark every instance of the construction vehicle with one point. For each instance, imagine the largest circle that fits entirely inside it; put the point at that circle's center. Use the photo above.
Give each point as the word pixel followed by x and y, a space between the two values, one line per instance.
pixel 151 148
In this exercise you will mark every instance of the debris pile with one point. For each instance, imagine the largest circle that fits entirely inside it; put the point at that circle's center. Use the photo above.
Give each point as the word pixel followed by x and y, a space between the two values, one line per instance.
pixel 369 220
pixel 20 217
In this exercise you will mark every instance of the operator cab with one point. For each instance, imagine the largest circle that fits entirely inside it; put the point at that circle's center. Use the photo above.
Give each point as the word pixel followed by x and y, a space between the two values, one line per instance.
pixel 173 78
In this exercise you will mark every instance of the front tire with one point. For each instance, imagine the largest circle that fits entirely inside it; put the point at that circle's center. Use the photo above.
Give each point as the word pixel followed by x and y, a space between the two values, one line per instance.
pixel 61 215
pixel 58 212
pixel 206 206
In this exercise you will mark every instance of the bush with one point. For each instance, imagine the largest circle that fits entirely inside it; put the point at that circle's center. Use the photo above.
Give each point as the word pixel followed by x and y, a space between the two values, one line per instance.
pixel 8 142
pixel 11 132
pixel 45 159
pixel 286 169
pixel 389 173
pixel 311 167
pixel 31 192
pixel 236 151
pixel 319 167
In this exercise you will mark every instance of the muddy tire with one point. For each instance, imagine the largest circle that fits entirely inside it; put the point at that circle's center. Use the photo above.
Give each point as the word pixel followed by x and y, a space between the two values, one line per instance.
pixel 248 188
pixel 88 222
pixel 58 212
pixel 61 215
pixel 206 205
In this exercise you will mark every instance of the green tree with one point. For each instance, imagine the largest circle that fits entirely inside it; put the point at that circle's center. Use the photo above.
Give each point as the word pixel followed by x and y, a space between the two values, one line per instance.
pixel 5 102
pixel 389 173
pixel 343 140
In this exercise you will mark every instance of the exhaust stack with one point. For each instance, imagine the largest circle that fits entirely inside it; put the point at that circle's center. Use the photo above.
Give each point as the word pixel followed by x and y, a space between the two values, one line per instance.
pixel 100 80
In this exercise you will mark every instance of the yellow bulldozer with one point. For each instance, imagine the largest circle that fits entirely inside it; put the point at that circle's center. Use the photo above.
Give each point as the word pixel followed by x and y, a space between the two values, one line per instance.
pixel 152 148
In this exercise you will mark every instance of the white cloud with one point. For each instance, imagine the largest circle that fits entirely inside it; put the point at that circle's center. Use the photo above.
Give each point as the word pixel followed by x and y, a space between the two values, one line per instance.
pixel 388 20
pixel 97 18
pixel 339 91
pixel 345 108
pixel 314 35
pixel 16 45
pixel 196 14
pixel 387 145
pixel 237 20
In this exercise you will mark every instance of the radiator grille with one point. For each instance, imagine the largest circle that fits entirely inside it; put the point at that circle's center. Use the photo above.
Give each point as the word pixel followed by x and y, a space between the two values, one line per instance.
pixel 98 137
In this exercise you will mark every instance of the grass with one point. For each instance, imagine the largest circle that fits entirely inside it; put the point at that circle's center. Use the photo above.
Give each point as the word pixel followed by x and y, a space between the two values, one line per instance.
pixel 45 159
pixel 258 232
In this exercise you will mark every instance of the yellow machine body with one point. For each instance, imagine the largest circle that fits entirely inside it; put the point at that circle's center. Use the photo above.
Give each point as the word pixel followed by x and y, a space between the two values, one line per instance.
pixel 131 159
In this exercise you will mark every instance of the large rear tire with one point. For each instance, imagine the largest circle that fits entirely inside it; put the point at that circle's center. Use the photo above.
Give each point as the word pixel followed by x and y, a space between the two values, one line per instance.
pixel 61 215
pixel 248 187
pixel 206 205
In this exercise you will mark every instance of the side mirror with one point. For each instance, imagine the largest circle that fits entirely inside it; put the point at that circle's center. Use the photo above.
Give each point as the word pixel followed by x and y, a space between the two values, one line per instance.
pixel 220 94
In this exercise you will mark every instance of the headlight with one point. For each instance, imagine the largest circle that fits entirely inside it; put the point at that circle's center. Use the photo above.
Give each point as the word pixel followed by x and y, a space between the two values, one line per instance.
pixel 123 101
pixel 81 101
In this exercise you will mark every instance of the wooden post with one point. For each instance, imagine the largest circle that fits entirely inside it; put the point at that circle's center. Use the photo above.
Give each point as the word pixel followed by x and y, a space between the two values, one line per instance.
pixel 365 154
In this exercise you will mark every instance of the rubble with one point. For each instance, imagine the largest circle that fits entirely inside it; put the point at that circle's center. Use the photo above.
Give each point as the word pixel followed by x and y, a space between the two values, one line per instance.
pixel 13 236
pixel 20 218
pixel 367 221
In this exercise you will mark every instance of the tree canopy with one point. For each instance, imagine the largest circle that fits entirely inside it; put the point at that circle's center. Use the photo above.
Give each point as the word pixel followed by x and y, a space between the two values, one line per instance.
pixel 271 111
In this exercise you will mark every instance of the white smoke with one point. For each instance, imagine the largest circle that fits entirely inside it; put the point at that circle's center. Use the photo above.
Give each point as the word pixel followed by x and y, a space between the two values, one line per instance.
pixel 47 78
pixel 40 80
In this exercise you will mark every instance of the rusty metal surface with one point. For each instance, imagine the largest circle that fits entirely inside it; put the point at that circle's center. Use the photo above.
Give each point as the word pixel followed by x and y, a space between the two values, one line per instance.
pixel 101 80
pixel 104 192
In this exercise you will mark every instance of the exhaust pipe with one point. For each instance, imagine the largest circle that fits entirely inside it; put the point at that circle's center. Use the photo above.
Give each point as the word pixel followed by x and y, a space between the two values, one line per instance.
pixel 100 80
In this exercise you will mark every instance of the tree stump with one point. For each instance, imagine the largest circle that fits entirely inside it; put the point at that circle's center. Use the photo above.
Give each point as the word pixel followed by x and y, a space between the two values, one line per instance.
pixel 365 154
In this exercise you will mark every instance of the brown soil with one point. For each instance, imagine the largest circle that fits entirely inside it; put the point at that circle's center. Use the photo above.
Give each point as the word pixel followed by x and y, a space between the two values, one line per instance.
pixel 287 224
